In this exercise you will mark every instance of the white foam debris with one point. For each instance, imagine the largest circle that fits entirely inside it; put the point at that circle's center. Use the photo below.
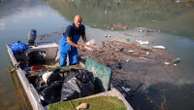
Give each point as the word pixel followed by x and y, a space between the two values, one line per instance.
pixel 88 48
pixel 46 75
pixel 91 42
pixel 131 51
pixel 141 42
pixel 167 63
pixel 159 47
pixel 147 53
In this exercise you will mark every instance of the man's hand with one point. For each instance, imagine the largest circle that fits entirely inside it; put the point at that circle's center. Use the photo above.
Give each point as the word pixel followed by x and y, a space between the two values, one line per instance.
pixel 70 42
pixel 77 46
pixel 80 46
pixel 85 47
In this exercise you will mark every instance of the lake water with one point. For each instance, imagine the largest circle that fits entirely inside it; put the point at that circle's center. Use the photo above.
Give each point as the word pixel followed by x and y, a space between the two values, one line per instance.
pixel 174 19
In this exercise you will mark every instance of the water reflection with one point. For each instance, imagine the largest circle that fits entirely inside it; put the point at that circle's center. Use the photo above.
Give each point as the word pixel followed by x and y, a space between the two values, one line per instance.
pixel 8 7
pixel 167 15
pixel 23 103
pixel 7 93
pixel 17 17
pixel 15 26
pixel 164 96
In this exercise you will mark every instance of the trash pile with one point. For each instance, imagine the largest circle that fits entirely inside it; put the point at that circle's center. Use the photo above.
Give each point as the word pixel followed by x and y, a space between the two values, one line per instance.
pixel 135 63
pixel 54 83
pixel 62 85
pixel 117 51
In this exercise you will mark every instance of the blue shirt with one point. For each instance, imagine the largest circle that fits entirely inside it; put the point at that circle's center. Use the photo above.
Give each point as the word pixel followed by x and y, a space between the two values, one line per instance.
pixel 73 32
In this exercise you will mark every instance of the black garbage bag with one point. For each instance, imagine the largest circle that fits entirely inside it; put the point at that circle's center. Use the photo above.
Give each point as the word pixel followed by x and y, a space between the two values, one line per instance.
pixel 37 57
pixel 70 90
pixel 55 76
pixel 84 76
pixel 51 93
pixel 86 88
pixel 40 84
pixel 85 81
pixel 79 85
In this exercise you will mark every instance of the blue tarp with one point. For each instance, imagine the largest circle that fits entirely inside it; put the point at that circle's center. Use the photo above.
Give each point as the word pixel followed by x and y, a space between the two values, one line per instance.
pixel 18 47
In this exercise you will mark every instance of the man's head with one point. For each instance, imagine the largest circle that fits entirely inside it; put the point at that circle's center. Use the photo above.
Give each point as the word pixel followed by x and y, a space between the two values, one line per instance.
pixel 77 20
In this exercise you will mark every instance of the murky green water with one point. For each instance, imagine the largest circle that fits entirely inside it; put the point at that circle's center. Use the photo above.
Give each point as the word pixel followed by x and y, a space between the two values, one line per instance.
pixel 175 20
pixel 166 15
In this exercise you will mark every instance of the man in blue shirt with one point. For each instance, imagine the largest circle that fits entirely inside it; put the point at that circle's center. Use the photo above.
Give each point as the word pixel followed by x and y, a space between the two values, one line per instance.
pixel 68 44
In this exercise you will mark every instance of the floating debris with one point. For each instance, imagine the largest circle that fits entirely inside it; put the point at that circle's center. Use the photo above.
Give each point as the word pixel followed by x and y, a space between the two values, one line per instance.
pixel 90 45
pixel 88 48
pixel 143 29
pixel 107 36
pixel 127 60
pixel 147 53
pixel 178 1
pixel 132 62
pixel 119 26
pixel 91 42
pixel 131 51
pixel 141 42
pixel 159 47
pixel 176 61
pixel 128 39
pixel 167 63
pixel 126 89
pixel 46 75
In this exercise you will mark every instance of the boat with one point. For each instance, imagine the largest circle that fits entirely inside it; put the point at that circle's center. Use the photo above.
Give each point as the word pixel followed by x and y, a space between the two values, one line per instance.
pixel 41 59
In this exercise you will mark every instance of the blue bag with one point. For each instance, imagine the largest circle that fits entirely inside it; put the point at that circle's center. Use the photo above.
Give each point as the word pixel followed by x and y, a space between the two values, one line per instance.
pixel 18 47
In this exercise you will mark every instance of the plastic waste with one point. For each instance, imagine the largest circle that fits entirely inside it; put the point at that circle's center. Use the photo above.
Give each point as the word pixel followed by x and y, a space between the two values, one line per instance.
pixel 55 76
pixel 128 39
pixel 127 60
pixel 46 75
pixel 37 57
pixel 69 90
pixel 85 82
pixel 107 36
pixel 88 48
pixel 37 68
pixel 147 53
pixel 79 84
pixel 91 42
pixel 126 89
pixel 176 60
pixel 141 42
pixel 131 51
pixel 76 83
pixel 51 93
pixel 58 56
pixel 89 45
pixel 178 1
pixel 167 63
pixel 159 47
